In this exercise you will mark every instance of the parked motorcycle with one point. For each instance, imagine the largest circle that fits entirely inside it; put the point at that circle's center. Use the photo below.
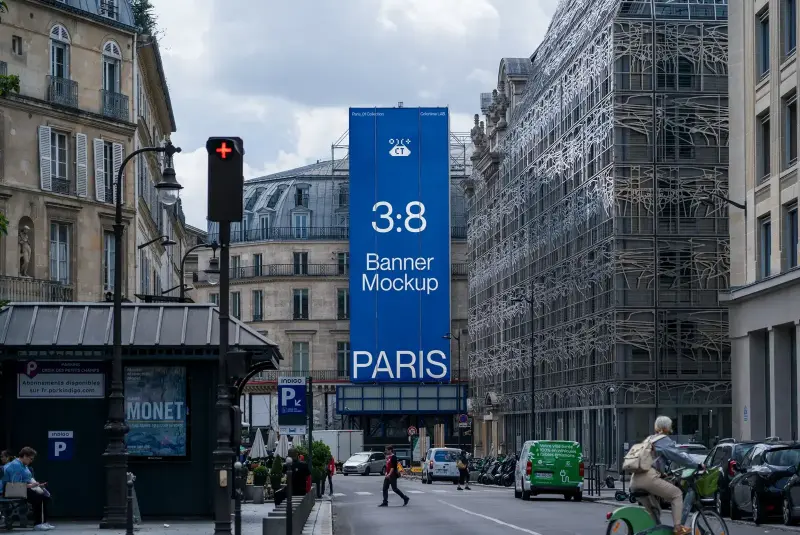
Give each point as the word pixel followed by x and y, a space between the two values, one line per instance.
pixel 507 472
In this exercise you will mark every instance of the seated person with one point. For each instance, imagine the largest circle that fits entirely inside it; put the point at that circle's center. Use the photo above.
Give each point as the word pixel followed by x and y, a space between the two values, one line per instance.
pixel 18 471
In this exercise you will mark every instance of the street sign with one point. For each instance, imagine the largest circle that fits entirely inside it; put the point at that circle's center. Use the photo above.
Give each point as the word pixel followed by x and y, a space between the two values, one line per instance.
pixel 463 421
pixel 292 405
pixel 412 431
pixel 60 445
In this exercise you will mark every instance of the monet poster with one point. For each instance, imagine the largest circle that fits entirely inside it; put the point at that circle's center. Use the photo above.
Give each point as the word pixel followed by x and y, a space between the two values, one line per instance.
pixel 156 411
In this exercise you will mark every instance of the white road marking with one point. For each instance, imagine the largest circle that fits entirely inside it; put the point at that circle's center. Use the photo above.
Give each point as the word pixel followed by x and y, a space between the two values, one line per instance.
pixel 491 519
pixel 440 491
pixel 339 494
pixel 415 492
pixel 364 493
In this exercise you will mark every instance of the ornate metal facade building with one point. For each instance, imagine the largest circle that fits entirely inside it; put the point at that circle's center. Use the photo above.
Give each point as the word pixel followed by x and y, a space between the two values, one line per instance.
pixel 588 200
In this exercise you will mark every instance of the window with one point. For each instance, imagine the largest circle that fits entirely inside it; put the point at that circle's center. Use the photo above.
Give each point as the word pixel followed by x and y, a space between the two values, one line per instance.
pixel 236 267
pixel 791 234
pixel 790 131
pixel 300 221
pixel 264 227
pixel 789 12
pixel 764 246
pixel 342 359
pixel 762 44
pixel 16 45
pixel 108 8
pixel 300 263
pixel 59 52
pixel 58 162
pixel 343 263
pixel 342 303
pixel 300 357
pixel 258 305
pixel 301 197
pixel 108 170
pixel 763 146
pixel 214 298
pixel 111 67
pixel 301 304
pixel 144 272
pixel 109 248
pixel 60 252
pixel 236 305
pixel 257 263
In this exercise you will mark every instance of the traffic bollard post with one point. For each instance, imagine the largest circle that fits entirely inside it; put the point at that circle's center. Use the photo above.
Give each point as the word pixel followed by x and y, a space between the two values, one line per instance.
pixel 129 511
pixel 288 470
pixel 237 508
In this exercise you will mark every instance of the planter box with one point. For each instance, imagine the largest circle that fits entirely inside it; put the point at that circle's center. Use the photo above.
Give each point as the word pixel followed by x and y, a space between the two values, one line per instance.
pixel 258 494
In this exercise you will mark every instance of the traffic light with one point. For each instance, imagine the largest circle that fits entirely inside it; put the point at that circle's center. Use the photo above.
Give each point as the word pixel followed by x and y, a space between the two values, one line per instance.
pixel 225 179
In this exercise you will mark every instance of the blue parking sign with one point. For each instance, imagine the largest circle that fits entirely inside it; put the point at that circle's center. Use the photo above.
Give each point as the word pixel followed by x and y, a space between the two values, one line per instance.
pixel 291 395
pixel 60 445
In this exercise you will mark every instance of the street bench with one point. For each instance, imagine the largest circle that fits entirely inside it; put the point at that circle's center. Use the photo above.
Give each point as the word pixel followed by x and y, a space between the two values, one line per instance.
pixel 14 511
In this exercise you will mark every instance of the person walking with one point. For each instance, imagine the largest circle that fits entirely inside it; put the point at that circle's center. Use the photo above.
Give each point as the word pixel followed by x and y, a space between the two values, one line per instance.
pixel 463 470
pixel 329 471
pixel 392 475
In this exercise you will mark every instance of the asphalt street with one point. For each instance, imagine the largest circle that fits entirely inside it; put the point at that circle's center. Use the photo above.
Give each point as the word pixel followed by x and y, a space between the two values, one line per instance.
pixel 440 509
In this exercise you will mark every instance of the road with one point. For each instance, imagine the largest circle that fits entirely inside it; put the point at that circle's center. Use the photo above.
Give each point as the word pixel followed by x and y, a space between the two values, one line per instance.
pixel 440 509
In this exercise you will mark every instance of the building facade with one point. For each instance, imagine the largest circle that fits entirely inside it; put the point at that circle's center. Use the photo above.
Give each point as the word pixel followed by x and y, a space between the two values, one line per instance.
pixel 157 264
pixel 591 253
pixel 765 281
pixel 289 281
pixel 63 136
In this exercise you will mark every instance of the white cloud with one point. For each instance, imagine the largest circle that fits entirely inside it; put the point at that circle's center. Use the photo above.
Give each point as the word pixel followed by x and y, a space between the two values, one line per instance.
pixel 454 17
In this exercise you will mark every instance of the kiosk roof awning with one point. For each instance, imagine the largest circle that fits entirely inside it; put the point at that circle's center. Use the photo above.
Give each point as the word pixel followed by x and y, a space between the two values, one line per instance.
pixel 90 325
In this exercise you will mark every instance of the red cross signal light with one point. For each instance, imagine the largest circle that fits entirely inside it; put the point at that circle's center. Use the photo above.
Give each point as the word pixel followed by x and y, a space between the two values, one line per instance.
pixel 225 179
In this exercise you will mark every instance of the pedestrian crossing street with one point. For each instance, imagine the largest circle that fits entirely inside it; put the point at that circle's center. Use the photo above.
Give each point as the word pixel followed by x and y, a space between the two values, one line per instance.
pixel 472 491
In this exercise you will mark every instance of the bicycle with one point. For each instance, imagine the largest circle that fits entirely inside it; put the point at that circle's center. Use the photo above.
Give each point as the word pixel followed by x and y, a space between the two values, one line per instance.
pixel 639 521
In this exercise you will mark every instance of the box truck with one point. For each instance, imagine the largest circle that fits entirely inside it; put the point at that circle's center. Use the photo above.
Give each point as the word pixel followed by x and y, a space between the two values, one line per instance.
pixel 343 443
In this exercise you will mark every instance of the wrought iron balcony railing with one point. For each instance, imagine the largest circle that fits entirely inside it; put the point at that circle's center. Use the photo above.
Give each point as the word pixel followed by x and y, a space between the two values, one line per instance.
pixel 114 105
pixel 289 270
pixel 307 233
pixel 271 376
pixel 62 91
pixel 63 186
pixel 23 289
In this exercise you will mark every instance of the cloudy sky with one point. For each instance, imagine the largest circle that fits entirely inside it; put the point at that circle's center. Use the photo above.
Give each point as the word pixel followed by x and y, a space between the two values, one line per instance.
pixel 281 74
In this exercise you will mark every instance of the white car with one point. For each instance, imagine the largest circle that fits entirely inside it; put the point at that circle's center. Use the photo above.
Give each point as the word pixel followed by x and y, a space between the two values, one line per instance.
pixel 441 464
pixel 365 463
pixel 698 452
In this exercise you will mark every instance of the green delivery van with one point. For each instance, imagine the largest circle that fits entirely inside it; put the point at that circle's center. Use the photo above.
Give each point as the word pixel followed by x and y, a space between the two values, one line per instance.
pixel 549 467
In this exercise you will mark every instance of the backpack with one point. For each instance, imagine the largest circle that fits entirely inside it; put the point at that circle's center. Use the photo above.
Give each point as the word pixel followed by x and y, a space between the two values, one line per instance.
pixel 641 457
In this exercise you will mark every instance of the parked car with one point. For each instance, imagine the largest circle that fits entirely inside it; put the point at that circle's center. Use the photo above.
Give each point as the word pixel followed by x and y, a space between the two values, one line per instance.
pixel 726 455
pixel 758 487
pixel 365 463
pixel 698 452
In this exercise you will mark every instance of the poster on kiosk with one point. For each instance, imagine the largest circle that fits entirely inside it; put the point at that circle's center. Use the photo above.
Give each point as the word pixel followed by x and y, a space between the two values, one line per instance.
pixel 399 245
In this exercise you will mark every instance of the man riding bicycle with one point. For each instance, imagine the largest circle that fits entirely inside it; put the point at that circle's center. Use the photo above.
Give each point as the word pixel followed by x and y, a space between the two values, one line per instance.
pixel 651 482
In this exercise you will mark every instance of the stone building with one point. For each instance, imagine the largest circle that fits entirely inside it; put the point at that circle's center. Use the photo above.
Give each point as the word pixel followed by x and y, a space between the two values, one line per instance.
pixel 289 281
pixel 762 202
pixel 595 261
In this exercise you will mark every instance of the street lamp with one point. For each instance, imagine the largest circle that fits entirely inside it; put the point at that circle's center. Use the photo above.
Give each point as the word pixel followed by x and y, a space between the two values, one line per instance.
pixel 524 299
pixel 212 273
pixel 451 336
pixel 165 243
pixel 116 453
pixel 214 246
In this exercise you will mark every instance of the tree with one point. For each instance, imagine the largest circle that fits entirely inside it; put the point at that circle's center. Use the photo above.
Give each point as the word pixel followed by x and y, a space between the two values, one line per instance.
pixel 322 454
pixel 3 6
pixel 144 16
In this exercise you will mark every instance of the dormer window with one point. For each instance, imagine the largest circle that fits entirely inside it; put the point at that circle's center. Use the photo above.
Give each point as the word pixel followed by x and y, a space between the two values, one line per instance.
pixel 301 197
pixel 109 8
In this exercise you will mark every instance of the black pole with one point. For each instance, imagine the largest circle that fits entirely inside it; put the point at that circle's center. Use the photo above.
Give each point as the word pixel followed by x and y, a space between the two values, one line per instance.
pixel 237 510
pixel 288 469
pixel 460 396
pixel 310 416
pixel 115 457
pixel 129 512
pixel 533 373
pixel 223 454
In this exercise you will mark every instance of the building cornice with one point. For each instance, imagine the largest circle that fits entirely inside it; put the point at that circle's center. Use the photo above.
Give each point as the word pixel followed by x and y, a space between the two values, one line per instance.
pixel 94 120
pixel 86 15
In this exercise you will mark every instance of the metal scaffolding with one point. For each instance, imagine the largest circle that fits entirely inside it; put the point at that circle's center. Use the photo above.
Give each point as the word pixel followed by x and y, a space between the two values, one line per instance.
pixel 590 199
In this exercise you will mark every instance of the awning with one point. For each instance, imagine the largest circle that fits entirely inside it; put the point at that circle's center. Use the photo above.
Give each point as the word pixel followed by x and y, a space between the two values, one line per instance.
pixel 87 326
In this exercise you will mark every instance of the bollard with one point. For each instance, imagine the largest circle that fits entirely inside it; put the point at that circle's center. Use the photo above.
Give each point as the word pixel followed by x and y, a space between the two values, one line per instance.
pixel 129 512
pixel 237 508
pixel 288 470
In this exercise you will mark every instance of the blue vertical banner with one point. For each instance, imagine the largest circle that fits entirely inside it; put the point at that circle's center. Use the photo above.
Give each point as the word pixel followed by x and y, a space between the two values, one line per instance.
pixel 399 244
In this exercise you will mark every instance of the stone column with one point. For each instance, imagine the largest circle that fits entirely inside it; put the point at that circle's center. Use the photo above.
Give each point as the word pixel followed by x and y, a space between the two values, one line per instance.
pixel 780 383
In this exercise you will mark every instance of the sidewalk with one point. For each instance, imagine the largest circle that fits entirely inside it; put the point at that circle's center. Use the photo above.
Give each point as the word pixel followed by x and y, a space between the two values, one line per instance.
pixel 320 521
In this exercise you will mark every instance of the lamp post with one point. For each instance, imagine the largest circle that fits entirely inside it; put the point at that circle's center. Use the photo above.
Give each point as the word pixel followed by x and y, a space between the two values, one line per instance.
pixel 451 336
pixel 524 299
pixel 165 243
pixel 116 454
pixel 213 245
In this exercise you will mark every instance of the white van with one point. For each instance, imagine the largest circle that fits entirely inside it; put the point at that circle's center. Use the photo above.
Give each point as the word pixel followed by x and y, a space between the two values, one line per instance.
pixel 441 464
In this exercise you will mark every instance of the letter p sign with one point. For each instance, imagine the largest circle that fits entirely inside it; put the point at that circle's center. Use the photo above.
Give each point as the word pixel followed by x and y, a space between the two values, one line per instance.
pixel 60 445
pixel 287 394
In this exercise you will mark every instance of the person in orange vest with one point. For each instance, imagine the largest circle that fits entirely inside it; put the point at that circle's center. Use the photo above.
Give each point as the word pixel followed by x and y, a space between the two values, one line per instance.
pixel 329 470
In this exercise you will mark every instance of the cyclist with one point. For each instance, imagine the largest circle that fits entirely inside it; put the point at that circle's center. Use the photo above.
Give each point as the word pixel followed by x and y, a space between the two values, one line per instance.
pixel 652 483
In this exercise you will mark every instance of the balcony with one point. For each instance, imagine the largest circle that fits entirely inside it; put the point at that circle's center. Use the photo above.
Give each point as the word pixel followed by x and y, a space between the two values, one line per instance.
pixel 288 270
pixel 306 233
pixel 63 186
pixel 114 105
pixel 460 270
pixel 331 375
pixel 62 91
pixel 109 194
pixel 21 289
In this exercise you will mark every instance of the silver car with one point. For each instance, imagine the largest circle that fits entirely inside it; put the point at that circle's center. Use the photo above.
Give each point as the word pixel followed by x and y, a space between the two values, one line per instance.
pixel 365 463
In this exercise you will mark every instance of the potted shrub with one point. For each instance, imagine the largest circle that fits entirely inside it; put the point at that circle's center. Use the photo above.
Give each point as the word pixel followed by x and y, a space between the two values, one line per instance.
pixel 260 475
pixel 276 474
pixel 321 453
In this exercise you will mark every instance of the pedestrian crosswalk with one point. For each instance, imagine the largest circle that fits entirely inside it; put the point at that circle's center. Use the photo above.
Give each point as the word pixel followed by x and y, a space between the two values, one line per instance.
pixel 473 491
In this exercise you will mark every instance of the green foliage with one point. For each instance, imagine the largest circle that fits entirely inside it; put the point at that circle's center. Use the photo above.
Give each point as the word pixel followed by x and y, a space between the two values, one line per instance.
pixel 260 471
pixel 260 476
pixel 3 224
pixel 8 83
pixel 276 474
pixel 3 6
pixel 322 453
pixel 144 17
